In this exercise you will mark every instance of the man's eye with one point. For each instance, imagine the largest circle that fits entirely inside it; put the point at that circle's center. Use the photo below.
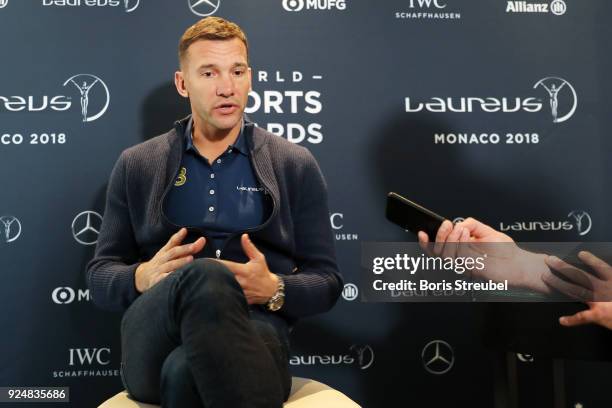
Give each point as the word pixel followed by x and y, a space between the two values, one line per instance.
pixel 207 74
pixel 238 72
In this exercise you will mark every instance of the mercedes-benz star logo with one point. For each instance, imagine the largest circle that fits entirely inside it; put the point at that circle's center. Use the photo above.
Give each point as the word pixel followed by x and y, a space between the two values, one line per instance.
pixel 84 83
pixel 11 228
pixel 204 7
pixel 86 227
pixel 438 357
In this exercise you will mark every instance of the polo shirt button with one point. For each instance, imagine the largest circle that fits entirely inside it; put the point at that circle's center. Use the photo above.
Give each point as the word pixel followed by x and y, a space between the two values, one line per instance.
pixel 229 150
pixel 211 208
pixel 212 192
pixel 218 160
pixel 212 175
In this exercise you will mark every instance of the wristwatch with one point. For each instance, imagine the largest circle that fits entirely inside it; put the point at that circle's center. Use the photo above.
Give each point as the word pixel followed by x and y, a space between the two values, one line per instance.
pixel 278 299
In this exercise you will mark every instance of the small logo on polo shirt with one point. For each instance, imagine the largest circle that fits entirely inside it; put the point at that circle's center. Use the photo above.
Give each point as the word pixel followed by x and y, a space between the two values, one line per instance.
pixel 249 189
pixel 182 177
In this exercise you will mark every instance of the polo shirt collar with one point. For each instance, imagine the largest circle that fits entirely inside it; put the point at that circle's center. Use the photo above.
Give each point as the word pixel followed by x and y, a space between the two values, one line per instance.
pixel 240 145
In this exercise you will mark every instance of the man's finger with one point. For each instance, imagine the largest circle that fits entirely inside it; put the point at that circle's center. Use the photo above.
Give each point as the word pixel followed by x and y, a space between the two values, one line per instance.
pixel 574 291
pixel 584 317
pixel 450 248
pixel 424 243
pixel 250 249
pixel 571 273
pixel 476 228
pixel 175 264
pixel 235 267
pixel 182 250
pixel 604 270
pixel 175 239
pixel 197 245
pixel 445 229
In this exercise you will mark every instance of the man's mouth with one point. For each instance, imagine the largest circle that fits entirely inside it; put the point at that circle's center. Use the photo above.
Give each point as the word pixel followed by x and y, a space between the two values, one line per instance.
pixel 226 108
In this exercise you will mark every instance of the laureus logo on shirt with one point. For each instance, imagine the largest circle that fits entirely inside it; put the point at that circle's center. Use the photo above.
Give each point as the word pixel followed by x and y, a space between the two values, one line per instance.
pixel 181 178
pixel 249 189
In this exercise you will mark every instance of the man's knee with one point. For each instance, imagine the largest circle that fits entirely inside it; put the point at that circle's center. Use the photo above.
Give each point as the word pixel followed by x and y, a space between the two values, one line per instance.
pixel 210 272
pixel 210 279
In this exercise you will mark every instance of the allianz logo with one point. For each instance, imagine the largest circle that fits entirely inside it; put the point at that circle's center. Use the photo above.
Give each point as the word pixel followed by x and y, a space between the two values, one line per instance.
pixel 579 221
pixel 556 7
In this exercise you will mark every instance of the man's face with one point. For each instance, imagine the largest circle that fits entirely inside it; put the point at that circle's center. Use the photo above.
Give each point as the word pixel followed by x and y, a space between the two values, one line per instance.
pixel 216 77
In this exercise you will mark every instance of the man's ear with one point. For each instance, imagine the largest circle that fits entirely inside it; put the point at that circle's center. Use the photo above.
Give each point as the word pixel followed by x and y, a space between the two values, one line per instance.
pixel 179 82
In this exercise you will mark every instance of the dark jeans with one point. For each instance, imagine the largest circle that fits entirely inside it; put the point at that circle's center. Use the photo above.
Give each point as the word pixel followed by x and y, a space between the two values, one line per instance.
pixel 192 341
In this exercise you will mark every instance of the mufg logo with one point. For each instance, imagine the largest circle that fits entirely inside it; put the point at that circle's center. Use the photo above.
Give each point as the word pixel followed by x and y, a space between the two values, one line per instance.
pixel 299 5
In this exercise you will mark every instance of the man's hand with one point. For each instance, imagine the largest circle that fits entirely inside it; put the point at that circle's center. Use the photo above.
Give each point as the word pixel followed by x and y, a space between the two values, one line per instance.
pixel 169 258
pixel 256 280
pixel 598 313
pixel 580 284
pixel 505 260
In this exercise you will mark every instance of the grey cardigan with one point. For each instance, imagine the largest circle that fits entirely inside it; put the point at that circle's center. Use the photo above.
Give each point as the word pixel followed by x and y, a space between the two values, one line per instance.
pixel 296 240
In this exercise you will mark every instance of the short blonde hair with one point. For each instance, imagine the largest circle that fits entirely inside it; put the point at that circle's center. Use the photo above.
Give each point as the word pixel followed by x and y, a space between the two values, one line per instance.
pixel 210 28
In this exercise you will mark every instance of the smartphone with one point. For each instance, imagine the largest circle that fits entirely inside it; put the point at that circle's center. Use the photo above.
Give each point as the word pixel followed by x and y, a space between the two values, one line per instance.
pixel 411 216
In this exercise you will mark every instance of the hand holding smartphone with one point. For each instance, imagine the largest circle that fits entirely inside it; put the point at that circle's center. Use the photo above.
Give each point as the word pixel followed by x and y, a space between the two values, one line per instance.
pixel 411 216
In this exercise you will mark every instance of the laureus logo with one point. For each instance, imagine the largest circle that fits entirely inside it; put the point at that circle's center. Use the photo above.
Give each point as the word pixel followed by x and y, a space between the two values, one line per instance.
pixel 582 221
pixel 204 7
pixel 562 100
pixel 553 86
pixel 84 83
pixel 11 228
pixel 3 3
pixel 131 5
pixel 365 355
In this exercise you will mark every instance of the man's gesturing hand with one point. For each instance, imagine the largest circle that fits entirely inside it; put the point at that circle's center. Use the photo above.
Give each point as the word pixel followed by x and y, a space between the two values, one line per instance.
pixel 256 280
pixel 169 258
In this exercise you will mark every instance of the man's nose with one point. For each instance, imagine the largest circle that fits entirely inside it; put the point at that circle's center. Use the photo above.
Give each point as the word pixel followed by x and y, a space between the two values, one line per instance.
pixel 225 87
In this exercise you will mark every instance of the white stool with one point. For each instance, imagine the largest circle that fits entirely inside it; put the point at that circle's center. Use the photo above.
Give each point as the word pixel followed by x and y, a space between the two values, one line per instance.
pixel 305 393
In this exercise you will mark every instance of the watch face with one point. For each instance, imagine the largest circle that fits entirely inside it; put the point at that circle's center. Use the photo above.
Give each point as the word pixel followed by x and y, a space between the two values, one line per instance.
pixel 276 304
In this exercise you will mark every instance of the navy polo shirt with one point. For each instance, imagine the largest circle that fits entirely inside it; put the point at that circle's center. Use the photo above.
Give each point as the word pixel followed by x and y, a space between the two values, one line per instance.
pixel 220 197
